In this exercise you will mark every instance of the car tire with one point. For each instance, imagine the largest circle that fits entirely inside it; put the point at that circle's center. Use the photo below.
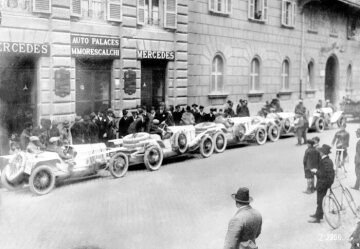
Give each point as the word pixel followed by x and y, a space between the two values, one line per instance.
pixel 274 133
pixel 206 146
pixel 46 184
pixel 340 121
pixel 239 132
pixel 153 157
pixel 286 125
pixel 261 136
pixel 5 182
pixel 220 142
pixel 320 125
pixel 117 170
pixel 136 138
pixel 181 142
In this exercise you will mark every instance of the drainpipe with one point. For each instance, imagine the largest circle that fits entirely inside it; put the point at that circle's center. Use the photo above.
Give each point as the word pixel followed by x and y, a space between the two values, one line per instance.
pixel 302 52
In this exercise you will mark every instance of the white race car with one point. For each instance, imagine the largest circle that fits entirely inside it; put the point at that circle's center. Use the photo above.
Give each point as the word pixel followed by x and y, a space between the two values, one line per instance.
pixel 285 120
pixel 41 171
pixel 324 118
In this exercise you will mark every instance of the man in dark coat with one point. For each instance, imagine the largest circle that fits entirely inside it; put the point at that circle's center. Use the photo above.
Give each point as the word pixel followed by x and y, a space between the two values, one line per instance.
pixel 161 114
pixel 325 178
pixel 229 112
pixel 210 117
pixel 357 161
pixel 138 124
pixel 124 124
pixel 177 115
pixel 311 161
pixel 242 110
pixel 200 116
pixel 77 131
pixel 91 130
pixel 300 108
pixel 25 135
pixel 246 224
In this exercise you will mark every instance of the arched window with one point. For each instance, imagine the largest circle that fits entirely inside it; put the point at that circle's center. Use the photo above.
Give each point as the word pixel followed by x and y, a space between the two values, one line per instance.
pixel 311 76
pixel 217 74
pixel 285 75
pixel 255 75
pixel 349 77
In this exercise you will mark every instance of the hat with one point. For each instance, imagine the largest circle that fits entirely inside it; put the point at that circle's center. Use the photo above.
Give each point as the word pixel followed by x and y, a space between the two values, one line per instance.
pixel 242 196
pixel 110 110
pixel 28 124
pixel 213 109
pixel 177 106
pixel 316 139
pixel 124 112
pixel 92 115
pixel 241 100
pixel 77 119
pixel 66 123
pixel 34 138
pixel 194 105
pixel 188 108
pixel 54 139
pixel 201 107
pixel 310 141
pixel 87 118
pixel 326 149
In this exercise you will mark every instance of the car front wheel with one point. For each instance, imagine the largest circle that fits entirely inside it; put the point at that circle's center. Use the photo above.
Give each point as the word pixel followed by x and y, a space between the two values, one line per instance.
pixel 119 165
pixel 42 180
pixel 206 146
pixel 153 158
pixel 260 136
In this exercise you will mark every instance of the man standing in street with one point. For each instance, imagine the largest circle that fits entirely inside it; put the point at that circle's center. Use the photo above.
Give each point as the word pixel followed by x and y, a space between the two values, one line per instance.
pixel 357 161
pixel 341 140
pixel 300 108
pixel 325 178
pixel 246 224
pixel 311 161
pixel 124 123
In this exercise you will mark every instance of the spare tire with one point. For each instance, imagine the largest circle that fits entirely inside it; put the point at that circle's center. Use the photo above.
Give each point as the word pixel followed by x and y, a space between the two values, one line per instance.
pixel 320 124
pixel 136 138
pixel 181 142
pixel 240 131
pixel 286 125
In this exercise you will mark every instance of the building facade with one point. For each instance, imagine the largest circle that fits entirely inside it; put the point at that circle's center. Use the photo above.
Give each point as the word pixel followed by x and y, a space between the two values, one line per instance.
pixel 62 58
pixel 262 49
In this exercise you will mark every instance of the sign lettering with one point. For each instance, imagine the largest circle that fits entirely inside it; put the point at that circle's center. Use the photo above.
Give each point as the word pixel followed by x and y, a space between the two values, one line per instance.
pixel 159 55
pixel 25 48
pixel 94 46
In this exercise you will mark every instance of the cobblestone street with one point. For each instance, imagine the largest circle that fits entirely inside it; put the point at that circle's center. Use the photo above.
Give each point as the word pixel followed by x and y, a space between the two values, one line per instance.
pixel 186 204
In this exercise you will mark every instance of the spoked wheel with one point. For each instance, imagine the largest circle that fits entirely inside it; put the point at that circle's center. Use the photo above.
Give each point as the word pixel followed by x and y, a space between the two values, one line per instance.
pixel 206 146
pixel 274 133
pixel 220 142
pixel 42 180
pixel 153 158
pixel 286 126
pixel 260 136
pixel 341 121
pixel 349 198
pixel 320 125
pixel 119 165
pixel 182 143
pixel 331 211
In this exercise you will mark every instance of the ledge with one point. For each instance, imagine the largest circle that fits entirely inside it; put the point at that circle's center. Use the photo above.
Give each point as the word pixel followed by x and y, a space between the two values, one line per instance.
pixel 310 91
pixel 333 35
pixel 217 95
pixel 257 20
pixel 285 92
pixel 216 13
pixel 311 31
pixel 287 26
pixel 255 94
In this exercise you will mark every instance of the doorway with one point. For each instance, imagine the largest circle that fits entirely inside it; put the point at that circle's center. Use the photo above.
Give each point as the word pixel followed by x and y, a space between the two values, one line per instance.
pixel 153 82
pixel 17 92
pixel 331 79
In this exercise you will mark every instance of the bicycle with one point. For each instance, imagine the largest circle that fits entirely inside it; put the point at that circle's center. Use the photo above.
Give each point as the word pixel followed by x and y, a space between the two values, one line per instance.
pixel 332 205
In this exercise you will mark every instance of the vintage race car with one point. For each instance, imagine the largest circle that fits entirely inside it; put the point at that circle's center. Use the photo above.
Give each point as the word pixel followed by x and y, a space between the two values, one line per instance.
pixel 41 171
pixel 285 120
pixel 324 118
pixel 243 130
pixel 151 149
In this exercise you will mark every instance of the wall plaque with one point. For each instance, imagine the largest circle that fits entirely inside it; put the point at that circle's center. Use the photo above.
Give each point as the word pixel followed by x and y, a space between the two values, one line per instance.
pixel 62 82
pixel 130 82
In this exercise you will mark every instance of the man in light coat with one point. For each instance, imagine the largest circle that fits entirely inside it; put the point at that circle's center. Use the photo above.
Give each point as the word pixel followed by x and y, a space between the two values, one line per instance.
pixel 246 224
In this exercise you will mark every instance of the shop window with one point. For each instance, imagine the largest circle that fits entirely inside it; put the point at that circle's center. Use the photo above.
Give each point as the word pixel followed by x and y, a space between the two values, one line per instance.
pixel 288 13
pixel 353 29
pixel 110 10
pixel 349 80
pixel 333 24
pixel 255 75
pixel 93 84
pixel 311 75
pixel 220 6
pixel 285 75
pixel 313 21
pixel 157 13
pixel 217 74
pixel 258 10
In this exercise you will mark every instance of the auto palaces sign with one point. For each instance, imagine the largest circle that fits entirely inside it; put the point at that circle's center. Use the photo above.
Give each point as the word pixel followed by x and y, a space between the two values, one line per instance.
pixel 95 46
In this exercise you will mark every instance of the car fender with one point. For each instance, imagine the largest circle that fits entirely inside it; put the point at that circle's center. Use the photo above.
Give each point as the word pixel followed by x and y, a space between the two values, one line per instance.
pixel 336 116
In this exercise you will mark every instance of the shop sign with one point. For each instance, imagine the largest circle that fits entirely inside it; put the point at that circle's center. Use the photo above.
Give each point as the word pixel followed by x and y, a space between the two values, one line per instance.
pixel 25 48
pixel 130 82
pixel 95 46
pixel 158 55
pixel 62 82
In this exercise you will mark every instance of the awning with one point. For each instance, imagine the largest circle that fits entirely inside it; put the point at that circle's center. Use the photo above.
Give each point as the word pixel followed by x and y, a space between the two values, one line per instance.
pixel 354 4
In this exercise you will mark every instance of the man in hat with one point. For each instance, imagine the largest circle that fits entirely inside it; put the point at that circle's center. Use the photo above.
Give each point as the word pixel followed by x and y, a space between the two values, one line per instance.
pixel 138 124
pixel 54 146
pixel 65 134
pixel 34 145
pixel 200 116
pixel 188 117
pixel 299 128
pixel 210 117
pixel 91 134
pixel 177 114
pixel 319 104
pixel 341 141
pixel 194 109
pixel 300 108
pixel 242 110
pixel 161 114
pixel 229 112
pixel 25 135
pixel 357 161
pixel 124 123
pixel 245 226
pixel 329 105
pixel 311 161
pixel 325 175
pixel 78 131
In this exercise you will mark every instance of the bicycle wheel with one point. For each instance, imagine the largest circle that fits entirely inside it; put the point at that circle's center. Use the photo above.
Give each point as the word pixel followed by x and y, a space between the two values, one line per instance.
pixel 331 211
pixel 349 198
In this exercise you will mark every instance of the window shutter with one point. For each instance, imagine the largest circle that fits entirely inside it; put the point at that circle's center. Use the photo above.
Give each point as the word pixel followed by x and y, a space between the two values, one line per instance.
pixel 283 12
pixel 75 8
pixel 211 5
pixel 229 7
pixel 42 6
pixel 265 10
pixel 141 12
pixel 251 9
pixel 170 19
pixel 114 10
pixel 293 17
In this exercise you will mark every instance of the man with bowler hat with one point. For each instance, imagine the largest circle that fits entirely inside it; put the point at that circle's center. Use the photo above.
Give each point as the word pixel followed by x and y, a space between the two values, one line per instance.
pixel 245 226
pixel 311 161
pixel 325 178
